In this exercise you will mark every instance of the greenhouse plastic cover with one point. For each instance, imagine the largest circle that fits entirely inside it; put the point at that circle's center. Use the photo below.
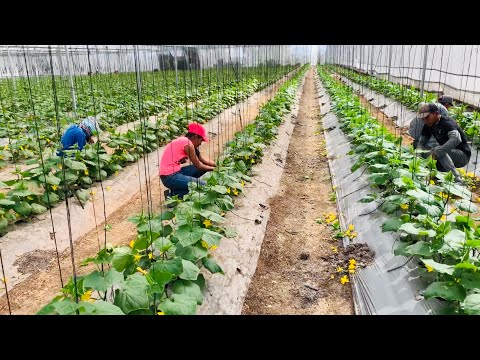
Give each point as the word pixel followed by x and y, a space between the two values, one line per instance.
pixel 403 115
pixel 376 290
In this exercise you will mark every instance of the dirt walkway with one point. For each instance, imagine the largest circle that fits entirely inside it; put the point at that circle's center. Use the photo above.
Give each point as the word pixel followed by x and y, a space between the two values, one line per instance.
pixel 296 264
pixel 38 289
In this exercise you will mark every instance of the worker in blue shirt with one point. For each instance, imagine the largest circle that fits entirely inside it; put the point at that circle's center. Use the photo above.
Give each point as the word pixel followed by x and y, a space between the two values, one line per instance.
pixel 79 134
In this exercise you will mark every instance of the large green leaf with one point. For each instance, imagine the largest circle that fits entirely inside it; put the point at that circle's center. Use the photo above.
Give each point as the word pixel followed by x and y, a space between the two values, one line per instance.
pixel 122 257
pixel 23 208
pixel 191 253
pixel 441 268
pixel 75 165
pixel 50 197
pixel 460 191
pixel 391 224
pixel 469 279
pixel 188 234
pixel 174 266
pixel 453 241
pixel 160 279
pixel 431 210
pixel 20 193
pixel 162 244
pixel 97 281
pixel 211 265
pixel 211 237
pixel 212 216
pixel 179 304
pixel 70 176
pixel 100 307
pixel 190 270
pixel 389 207
pixel 38 209
pixel 421 195
pixel 66 307
pixel 471 304
pixel 3 223
pixel 49 179
pixel 419 248
pixel 379 178
pixel 153 225
pixel 188 288
pixel 466 205
pixel 411 229
pixel 448 290
pixel 5 202
pixel 133 295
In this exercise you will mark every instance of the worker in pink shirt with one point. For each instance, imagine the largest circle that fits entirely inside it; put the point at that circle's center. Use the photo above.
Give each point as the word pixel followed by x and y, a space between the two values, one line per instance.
pixel 177 152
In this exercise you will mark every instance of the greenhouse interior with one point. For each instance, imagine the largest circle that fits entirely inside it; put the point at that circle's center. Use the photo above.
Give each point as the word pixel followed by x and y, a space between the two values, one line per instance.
pixel 239 180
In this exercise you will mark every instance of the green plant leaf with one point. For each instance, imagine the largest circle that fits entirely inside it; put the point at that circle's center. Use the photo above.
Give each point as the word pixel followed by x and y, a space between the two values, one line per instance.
pixel 188 288
pixel 191 253
pixel 122 258
pixel 391 224
pixel 66 307
pixel 100 307
pixel 211 237
pixel 49 179
pixel 179 304
pixel 212 216
pixel 23 208
pixel 448 290
pixel 230 232
pixel 97 281
pixel 411 229
pixel 75 165
pixel 389 207
pixel 189 235
pixel 471 304
pixel 453 241
pixel 211 265
pixel 38 209
pixel 419 248
pixel 133 295
pixel 190 270
pixel 174 266
pixel 466 205
pixel 440 268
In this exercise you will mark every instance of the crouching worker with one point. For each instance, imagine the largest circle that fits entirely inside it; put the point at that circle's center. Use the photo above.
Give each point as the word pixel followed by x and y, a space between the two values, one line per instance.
pixel 79 135
pixel 177 152
pixel 453 151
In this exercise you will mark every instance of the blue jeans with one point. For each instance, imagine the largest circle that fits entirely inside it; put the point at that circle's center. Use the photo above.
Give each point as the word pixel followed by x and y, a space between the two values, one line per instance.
pixel 178 182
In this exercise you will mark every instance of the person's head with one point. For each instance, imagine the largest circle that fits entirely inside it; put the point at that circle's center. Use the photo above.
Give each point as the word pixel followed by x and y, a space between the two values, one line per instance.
pixel 197 134
pixel 446 101
pixel 91 128
pixel 429 113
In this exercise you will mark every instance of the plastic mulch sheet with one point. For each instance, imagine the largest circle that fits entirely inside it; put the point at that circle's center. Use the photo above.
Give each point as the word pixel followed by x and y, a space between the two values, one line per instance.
pixel 376 289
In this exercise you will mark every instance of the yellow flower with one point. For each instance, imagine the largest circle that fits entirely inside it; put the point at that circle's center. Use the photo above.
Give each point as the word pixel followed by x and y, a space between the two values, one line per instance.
pixel 344 280
pixel 228 190
pixel 213 247
pixel 204 244
pixel 404 206
pixel 116 172
pixel 351 227
pixel 471 174
pixel 137 257
pixel 132 242
pixel 207 223
pixel 443 218
pixel 235 192
pixel 29 198
pixel 160 313
pixel 21 148
pixel 4 280
pixel 354 235
pixel 332 277
pixel 339 269
pixel 432 182
pixel 429 268
pixel 5 147
pixel 352 261
pixel 60 166
pixel 150 255
pixel 109 188
pixel 351 271
pixel 222 214
pixel 334 187
pixel 246 157
pixel 93 192
pixel 141 270
pixel 253 161
pixel 334 249
pixel 351 266
pixel 86 295
pixel 86 172
pixel 243 183
pixel 54 187
pixel 462 171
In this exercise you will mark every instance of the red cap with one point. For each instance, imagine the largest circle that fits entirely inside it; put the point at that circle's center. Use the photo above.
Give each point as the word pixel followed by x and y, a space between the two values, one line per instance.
pixel 198 129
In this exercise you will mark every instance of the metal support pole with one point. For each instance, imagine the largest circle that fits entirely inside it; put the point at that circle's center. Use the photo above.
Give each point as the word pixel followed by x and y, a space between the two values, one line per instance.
pixel 11 70
pixel 176 65
pixel 422 85
pixel 390 61
pixel 72 88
